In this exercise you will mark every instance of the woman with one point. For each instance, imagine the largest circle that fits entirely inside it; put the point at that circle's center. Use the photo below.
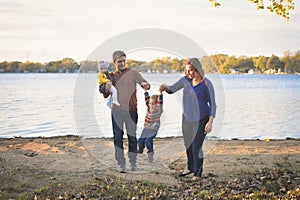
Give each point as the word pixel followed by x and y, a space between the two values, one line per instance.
pixel 199 110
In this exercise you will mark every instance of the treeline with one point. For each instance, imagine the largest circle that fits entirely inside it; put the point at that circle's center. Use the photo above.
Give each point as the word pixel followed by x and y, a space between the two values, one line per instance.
pixel 220 63
pixel 66 65
pixel 289 63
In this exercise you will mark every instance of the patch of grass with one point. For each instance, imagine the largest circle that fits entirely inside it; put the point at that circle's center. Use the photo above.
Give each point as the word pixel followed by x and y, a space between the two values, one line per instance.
pixel 279 182
pixel 4 194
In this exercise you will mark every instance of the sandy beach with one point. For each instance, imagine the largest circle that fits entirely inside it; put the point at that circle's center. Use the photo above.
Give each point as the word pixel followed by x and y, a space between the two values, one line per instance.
pixel 29 164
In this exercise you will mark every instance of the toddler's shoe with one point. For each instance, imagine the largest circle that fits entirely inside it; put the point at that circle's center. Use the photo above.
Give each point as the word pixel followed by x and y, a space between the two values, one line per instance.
pixel 141 150
pixel 115 98
pixel 109 102
pixel 150 157
pixel 116 103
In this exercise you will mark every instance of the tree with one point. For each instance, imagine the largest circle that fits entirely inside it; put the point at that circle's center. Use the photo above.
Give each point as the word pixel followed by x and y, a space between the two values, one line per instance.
pixel 88 66
pixel 31 67
pixel 287 61
pixel 295 66
pixel 245 64
pixel 5 66
pixel 176 64
pixel 231 62
pixel 161 64
pixel 208 65
pixel 134 64
pixel 274 63
pixel 260 63
pixel 224 62
pixel 15 66
pixel 279 7
pixel 69 65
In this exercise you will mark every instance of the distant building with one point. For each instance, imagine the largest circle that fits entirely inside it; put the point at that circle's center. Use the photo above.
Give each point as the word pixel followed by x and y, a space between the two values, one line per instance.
pixel 251 71
pixel 270 71
pixel 254 71
pixel 235 71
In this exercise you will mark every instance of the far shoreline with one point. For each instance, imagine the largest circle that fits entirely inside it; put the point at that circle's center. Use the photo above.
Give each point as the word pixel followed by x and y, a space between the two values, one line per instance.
pixel 167 137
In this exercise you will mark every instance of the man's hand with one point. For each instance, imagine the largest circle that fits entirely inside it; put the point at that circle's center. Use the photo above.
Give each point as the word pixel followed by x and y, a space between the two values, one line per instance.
pixel 145 85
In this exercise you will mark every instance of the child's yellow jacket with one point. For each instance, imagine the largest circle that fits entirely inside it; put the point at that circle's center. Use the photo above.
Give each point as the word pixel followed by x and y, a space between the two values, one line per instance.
pixel 102 78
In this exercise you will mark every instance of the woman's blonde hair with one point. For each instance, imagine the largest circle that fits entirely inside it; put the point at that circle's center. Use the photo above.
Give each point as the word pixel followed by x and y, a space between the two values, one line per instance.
pixel 197 65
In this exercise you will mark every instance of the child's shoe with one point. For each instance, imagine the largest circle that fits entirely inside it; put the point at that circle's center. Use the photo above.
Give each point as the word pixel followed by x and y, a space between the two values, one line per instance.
pixel 115 98
pixel 150 157
pixel 116 103
pixel 141 148
pixel 109 102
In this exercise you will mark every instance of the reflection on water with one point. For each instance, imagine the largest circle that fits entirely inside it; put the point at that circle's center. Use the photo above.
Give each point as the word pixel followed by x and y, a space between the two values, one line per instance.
pixel 261 106
pixel 249 106
pixel 36 105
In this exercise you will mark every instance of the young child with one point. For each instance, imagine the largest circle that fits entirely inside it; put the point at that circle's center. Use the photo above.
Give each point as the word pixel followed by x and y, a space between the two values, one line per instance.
pixel 104 77
pixel 151 124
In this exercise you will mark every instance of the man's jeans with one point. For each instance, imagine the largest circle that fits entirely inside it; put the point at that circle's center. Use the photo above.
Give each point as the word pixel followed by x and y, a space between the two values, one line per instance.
pixel 129 118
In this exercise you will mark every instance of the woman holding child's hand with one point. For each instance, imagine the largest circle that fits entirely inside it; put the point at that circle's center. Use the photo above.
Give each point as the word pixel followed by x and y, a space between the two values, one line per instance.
pixel 199 110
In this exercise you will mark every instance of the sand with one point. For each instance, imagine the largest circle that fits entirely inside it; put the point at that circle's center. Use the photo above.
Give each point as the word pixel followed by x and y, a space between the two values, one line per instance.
pixel 37 161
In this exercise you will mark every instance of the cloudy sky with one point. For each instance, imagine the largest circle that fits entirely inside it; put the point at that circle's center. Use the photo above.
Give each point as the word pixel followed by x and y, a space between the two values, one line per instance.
pixel 43 30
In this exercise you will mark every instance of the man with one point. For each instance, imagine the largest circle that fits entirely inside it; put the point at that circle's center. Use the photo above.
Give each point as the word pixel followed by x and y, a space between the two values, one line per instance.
pixel 125 80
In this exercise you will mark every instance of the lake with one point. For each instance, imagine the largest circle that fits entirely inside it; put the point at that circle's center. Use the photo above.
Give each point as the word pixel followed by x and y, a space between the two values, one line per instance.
pixel 248 106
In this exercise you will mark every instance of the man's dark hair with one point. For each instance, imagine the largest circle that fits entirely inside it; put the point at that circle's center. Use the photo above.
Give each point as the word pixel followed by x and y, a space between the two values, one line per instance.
pixel 118 54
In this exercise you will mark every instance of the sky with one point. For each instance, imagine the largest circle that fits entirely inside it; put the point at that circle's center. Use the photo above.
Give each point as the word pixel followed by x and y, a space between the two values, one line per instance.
pixel 43 30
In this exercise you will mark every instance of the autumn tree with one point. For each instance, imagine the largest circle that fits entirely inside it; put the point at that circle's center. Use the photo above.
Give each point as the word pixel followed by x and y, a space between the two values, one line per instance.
pixel 260 63
pixel 208 65
pixel 69 65
pixel 295 62
pixel 274 63
pixel 224 62
pixel 133 63
pixel 279 7
pixel 177 64
pixel 5 66
pixel 245 64
pixel 31 67
pixel 88 66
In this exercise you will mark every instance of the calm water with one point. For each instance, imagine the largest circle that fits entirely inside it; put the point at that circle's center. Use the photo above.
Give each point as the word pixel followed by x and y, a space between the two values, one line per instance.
pixel 249 106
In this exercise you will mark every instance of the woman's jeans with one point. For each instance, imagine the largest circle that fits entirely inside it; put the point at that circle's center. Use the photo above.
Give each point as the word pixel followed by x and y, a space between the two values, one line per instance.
pixel 146 139
pixel 129 119
pixel 193 136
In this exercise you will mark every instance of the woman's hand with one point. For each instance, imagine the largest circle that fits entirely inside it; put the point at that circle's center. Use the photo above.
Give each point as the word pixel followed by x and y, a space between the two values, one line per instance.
pixel 208 126
pixel 163 87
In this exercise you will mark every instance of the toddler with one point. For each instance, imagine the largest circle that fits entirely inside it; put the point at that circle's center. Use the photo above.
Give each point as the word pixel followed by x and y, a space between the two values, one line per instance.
pixel 151 124
pixel 104 77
